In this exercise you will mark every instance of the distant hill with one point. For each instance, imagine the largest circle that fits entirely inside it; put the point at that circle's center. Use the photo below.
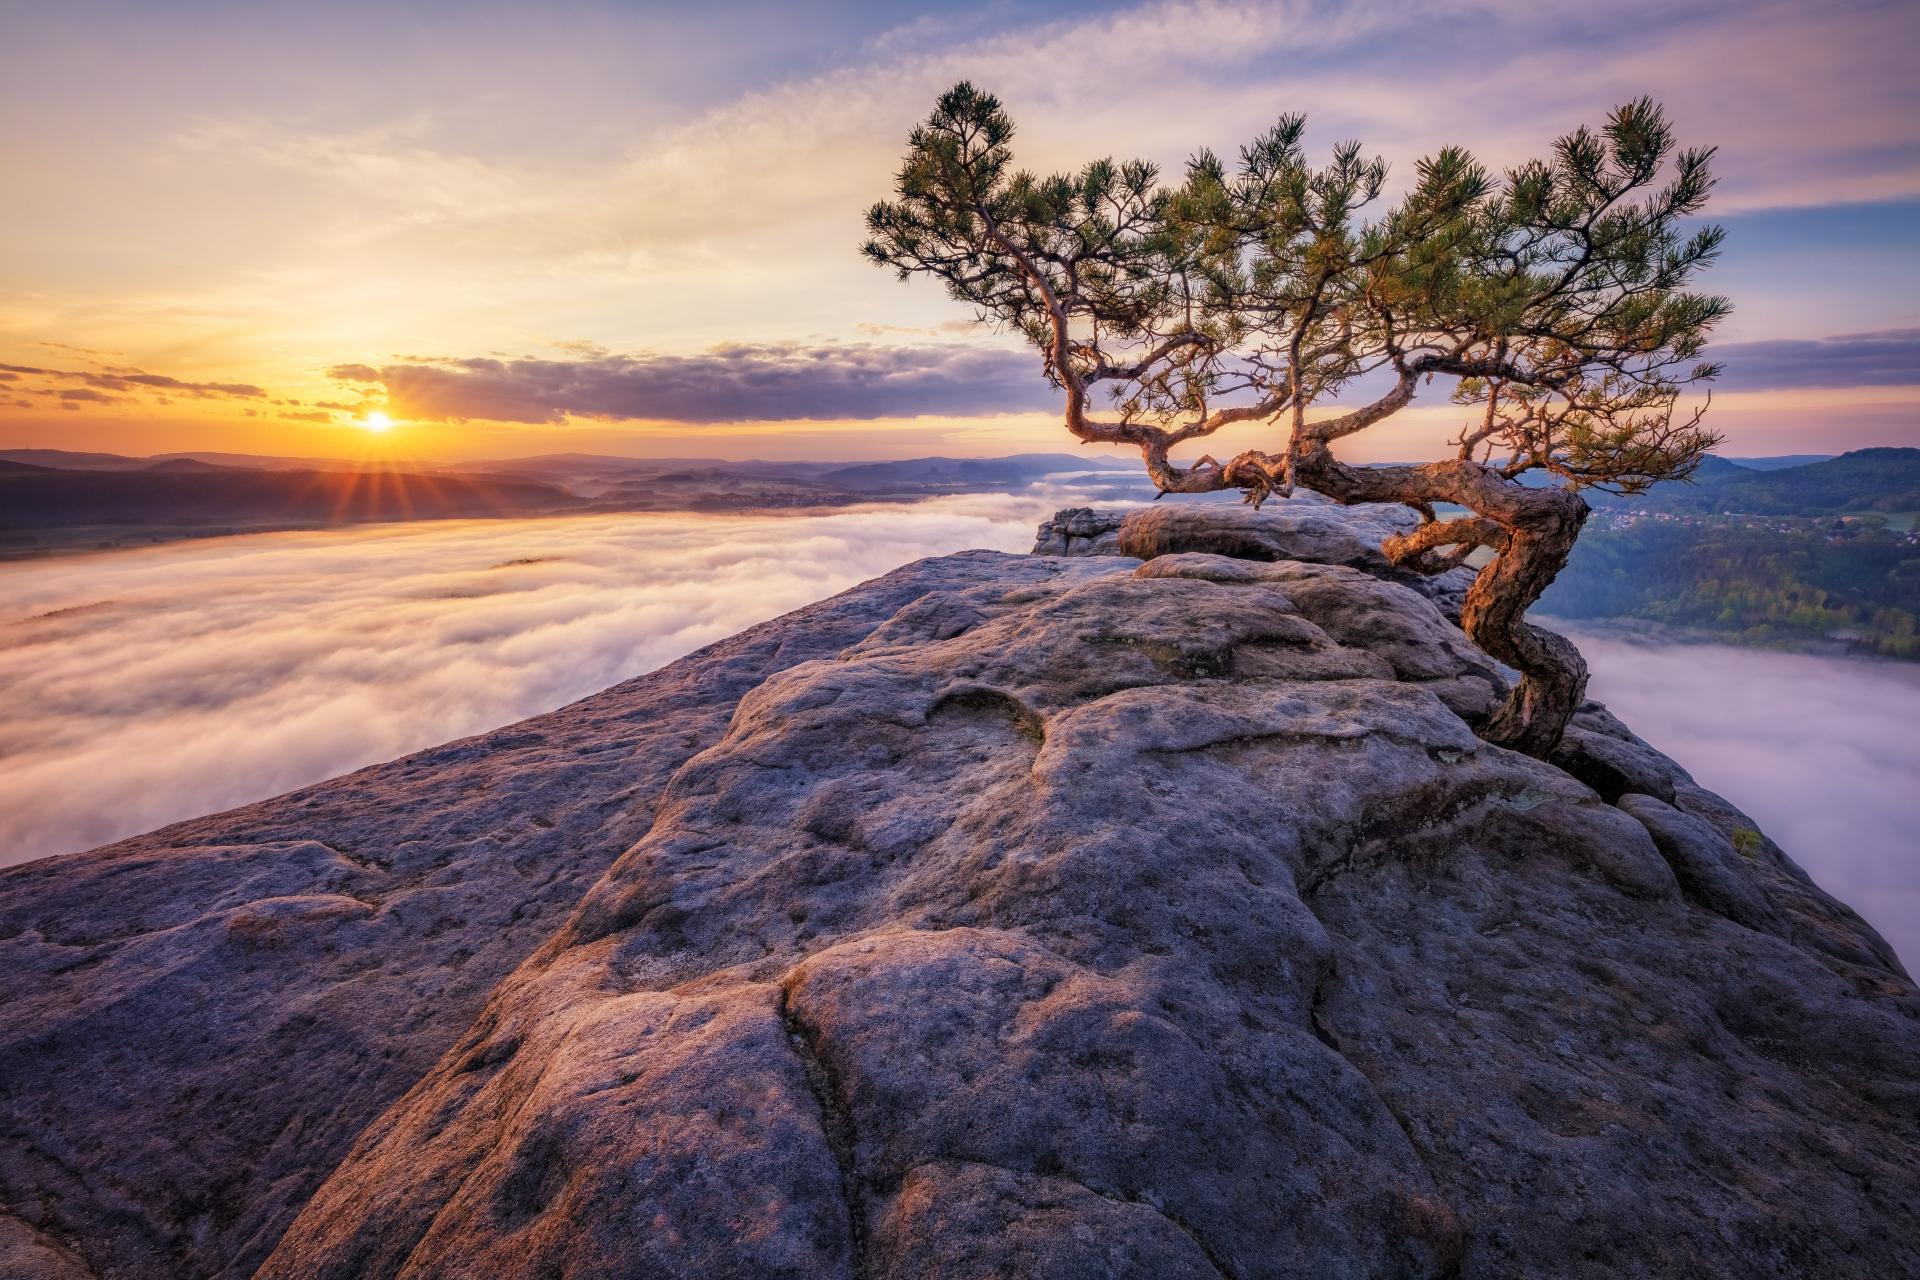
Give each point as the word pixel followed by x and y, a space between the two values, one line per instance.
pixel 605 460
pixel 1714 467
pixel 1864 480
pixel 1781 581
pixel 170 498
pixel 1796 557
pixel 188 466
pixel 1779 461
pixel 70 460
pixel 585 468
pixel 67 460
pixel 52 499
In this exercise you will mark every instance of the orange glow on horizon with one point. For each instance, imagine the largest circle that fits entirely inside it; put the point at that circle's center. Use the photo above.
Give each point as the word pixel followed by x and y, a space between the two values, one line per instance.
pixel 1755 423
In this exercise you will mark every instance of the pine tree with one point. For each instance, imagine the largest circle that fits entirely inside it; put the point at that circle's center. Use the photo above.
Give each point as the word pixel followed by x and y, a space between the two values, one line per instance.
pixel 1553 299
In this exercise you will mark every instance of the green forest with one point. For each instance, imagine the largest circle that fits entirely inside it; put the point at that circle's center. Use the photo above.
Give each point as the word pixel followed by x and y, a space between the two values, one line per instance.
pixel 1779 581
pixel 1819 555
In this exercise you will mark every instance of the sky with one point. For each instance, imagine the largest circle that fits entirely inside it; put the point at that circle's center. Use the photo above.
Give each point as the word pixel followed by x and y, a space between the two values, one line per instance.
pixel 632 228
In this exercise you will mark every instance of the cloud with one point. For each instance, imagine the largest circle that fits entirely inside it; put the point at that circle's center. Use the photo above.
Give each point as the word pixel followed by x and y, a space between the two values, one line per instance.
pixel 776 382
pixel 945 328
pixel 1890 358
pixel 736 383
pixel 135 378
pixel 780 162
pixel 145 687
pixel 1820 751
pixel 127 380
pixel 89 396
pixel 92 355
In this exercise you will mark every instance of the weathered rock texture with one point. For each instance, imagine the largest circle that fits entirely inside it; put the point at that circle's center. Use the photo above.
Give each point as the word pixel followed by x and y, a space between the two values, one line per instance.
pixel 1028 916
pixel 196 1024
pixel 1305 527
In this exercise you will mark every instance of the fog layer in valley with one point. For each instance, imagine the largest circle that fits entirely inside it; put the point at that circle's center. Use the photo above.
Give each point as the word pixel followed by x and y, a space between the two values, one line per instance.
pixel 1822 752
pixel 143 687
pixel 139 688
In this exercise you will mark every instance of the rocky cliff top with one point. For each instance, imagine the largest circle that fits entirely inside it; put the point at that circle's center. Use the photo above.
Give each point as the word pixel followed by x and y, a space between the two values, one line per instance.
pixel 1053 915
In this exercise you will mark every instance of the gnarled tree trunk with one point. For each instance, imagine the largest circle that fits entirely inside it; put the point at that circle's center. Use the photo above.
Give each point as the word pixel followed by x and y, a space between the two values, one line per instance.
pixel 1553 674
pixel 1531 533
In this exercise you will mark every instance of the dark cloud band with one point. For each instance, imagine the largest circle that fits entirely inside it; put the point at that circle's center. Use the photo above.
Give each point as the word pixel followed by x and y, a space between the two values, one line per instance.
pixel 137 380
pixel 787 382
pixel 1889 358
pixel 739 383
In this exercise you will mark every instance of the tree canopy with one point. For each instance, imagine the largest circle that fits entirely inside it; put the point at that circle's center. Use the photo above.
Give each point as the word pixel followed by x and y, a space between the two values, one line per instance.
pixel 1553 299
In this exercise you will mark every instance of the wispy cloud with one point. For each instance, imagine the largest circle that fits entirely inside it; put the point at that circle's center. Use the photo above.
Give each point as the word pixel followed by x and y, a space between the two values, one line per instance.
pixel 1890 358
pixel 780 163
pixel 110 378
pixel 736 383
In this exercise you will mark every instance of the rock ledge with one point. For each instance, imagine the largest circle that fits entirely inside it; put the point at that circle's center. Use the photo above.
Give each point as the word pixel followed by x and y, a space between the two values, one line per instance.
pixel 1006 916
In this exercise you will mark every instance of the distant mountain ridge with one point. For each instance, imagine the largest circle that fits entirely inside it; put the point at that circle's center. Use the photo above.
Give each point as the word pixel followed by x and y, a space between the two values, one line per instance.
pixel 182 493
pixel 52 500
pixel 1779 462
pixel 1881 479
pixel 69 460
pixel 191 466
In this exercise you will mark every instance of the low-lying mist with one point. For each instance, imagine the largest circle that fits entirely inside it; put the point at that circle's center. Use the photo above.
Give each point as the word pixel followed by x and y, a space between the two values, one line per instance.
pixel 1822 752
pixel 139 688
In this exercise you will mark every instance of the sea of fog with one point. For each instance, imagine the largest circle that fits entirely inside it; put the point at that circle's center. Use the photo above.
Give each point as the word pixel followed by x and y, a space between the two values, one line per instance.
pixel 141 687
pixel 1823 752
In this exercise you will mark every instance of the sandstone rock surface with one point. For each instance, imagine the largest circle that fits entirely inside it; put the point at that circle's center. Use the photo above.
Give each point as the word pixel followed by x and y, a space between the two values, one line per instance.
pixel 196 1024
pixel 1007 916
pixel 1305 528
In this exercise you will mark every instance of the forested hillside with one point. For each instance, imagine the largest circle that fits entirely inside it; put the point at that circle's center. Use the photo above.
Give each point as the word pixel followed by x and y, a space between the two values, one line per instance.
pixel 1774 581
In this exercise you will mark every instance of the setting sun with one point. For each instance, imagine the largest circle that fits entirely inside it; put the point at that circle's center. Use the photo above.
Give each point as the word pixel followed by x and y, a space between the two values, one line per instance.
pixel 377 421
